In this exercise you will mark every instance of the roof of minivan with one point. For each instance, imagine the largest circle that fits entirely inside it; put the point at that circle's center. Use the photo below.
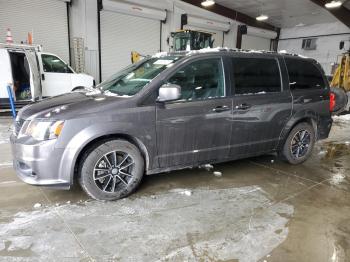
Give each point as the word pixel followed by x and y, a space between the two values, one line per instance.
pixel 228 50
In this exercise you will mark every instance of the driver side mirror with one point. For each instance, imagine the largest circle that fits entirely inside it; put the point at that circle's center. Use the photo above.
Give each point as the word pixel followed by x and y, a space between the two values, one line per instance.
pixel 169 92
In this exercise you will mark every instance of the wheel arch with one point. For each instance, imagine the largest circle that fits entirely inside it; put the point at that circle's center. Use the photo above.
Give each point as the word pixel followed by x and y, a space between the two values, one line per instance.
pixel 135 141
pixel 76 88
pixel 307 118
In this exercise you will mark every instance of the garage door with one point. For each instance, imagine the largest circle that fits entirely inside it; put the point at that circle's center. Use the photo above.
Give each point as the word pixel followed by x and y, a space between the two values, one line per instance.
pixel 47 19
pixel 257 38
pixel 121 34
pixel 255 42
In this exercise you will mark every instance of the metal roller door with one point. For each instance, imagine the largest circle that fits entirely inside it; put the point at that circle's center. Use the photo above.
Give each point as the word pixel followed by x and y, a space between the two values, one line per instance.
pixel 121 34
pixel 47 19
pixel 255 42
pixel 257 38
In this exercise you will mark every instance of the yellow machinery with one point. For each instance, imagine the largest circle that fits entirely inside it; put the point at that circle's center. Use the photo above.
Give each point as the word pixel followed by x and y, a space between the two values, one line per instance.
pixel 184 40
pixel 341 77
pixel 135 56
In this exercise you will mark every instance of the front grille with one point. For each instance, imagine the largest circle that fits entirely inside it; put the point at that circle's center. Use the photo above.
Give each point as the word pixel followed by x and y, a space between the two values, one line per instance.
pixel 18 126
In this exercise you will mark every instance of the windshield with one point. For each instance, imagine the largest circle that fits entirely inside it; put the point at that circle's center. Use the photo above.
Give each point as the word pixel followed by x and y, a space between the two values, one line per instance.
pixel 132 79
pixel 181 41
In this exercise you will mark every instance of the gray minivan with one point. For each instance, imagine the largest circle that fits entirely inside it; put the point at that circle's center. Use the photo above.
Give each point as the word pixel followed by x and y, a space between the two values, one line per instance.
pixel 174 111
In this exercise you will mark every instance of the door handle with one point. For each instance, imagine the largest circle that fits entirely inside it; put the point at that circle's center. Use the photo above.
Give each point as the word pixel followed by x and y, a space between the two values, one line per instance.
pixel 219 109
pixel 307 100
pixel 243 106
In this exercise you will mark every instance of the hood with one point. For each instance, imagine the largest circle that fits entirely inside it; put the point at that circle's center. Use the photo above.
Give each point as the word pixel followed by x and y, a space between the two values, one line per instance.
pixel 69 105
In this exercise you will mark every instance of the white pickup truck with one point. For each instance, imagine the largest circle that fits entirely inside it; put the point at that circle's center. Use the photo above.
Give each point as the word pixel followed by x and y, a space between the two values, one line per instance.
pixel 33 74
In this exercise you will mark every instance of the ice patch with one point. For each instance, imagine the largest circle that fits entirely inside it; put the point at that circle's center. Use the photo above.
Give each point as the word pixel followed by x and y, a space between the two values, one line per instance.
pixel 342 118
pixel 207 167
pixel 217 173
pixel 5 131
pixel 337 179
pixel 6 164
pixel 37 205
pixel 181 191
pixel 322 153
pixel 221 224
pixel 7 182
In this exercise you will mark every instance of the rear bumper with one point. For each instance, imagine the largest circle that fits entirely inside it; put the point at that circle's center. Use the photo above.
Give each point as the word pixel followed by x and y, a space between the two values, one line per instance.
pixel 39 164
pixel 324 128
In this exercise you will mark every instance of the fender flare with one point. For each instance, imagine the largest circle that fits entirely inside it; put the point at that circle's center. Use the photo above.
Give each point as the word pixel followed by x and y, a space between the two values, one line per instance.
pixel 87 137
pixel 301 116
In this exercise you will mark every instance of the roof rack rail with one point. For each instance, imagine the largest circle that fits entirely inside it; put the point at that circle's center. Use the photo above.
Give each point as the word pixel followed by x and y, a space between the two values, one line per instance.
pixel 37 48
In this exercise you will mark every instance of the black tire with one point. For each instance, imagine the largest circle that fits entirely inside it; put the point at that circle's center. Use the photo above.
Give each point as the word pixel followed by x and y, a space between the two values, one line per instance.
pixel 292 147
pixel 98 169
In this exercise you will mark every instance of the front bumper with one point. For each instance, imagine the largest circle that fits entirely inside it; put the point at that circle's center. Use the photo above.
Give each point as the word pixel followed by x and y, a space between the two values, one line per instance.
pixel 39 163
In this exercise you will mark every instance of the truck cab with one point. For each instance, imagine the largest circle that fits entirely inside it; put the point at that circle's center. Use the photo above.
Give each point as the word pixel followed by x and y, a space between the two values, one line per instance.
pixel 33 74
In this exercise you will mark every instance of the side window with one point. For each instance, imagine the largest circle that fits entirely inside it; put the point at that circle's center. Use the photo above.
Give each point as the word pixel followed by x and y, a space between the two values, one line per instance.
pixel 303 74
pixel 256 75
pixel 203 79
pixel 52 64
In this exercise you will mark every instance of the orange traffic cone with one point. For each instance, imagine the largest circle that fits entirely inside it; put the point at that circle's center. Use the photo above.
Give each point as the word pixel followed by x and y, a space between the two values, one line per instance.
pixel 9 39
pixel 30 39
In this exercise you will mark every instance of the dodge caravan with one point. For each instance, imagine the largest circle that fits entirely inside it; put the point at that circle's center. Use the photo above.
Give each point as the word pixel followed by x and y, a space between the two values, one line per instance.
pixel 174 111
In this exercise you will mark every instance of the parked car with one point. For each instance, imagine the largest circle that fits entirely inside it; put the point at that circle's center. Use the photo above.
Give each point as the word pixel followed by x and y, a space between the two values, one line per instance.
pixel 174 111
pixel 34 74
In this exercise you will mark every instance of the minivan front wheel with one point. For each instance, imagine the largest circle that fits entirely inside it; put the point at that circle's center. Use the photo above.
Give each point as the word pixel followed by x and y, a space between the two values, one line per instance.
pixel 299 144
pixel 111 170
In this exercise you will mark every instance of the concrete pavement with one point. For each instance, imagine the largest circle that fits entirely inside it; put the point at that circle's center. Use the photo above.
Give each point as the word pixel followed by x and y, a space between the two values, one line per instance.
pixel 260 209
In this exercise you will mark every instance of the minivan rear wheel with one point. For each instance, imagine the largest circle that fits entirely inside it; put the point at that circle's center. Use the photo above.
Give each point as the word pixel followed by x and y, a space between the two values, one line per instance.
pixel 299 144
pixel 111 170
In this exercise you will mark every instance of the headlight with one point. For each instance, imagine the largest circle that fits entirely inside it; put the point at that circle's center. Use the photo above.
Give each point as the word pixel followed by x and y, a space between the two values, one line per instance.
pixel 41 129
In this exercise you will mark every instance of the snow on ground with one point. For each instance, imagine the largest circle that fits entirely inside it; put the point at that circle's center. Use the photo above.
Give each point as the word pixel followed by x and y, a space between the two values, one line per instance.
pixel 221 224
pixel 337 179
pixel 5 130
pixel 342 118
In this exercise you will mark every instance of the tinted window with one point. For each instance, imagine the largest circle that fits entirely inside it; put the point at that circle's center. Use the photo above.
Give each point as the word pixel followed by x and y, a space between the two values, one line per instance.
pixel 54 65
pixel 303 74
pixel 203 79
pixel 256 75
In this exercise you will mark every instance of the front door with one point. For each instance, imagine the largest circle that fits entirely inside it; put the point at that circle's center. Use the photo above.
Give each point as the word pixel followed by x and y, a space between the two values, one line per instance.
pixel 261 107
pixel 55 76
pixel 197 128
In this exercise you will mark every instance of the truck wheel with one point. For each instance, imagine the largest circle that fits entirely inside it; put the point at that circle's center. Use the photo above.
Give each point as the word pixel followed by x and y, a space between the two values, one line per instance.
pixel 299 144
pixel 111 170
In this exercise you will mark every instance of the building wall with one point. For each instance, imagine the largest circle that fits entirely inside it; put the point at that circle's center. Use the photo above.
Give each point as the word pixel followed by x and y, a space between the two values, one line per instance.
pixel 327 50
pixel 83 23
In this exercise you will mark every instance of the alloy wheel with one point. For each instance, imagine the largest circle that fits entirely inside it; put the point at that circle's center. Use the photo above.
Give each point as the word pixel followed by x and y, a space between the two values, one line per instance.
pixel 300 144
pixel 113 171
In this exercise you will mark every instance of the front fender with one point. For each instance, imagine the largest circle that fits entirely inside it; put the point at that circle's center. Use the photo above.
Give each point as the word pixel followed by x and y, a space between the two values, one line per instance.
pixel 80 140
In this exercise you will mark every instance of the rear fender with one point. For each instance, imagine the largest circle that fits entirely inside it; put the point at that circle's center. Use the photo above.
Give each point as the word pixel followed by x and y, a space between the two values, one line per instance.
pixel 301 116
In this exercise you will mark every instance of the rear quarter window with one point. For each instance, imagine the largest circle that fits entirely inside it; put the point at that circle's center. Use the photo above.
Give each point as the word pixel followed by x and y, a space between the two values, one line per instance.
pixel 303 75
pixel 255 75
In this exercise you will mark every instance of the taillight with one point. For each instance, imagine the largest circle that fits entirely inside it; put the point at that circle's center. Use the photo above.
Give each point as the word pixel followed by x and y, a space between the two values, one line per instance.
pixel 331 102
